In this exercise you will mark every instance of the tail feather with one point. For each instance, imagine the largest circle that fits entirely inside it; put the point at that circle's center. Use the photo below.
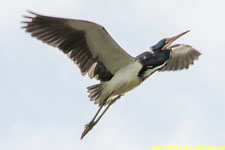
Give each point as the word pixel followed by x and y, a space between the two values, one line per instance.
pixel 95 92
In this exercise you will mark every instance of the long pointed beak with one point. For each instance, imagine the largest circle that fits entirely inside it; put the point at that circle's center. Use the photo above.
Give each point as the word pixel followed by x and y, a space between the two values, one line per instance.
pixel 172 39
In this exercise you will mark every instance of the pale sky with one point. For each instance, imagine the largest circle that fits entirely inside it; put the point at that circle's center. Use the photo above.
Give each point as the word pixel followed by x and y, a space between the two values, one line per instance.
pixel 44 104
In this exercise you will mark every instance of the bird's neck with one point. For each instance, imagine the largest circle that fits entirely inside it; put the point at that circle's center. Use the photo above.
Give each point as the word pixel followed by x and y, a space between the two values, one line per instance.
pixel 151 62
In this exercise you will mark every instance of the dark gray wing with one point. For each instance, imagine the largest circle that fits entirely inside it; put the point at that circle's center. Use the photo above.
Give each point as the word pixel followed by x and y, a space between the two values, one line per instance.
pixel 86 43
pixel 182 57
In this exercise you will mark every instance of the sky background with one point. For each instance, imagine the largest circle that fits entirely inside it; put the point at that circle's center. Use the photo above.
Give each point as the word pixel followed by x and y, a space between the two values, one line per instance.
pixel 43 97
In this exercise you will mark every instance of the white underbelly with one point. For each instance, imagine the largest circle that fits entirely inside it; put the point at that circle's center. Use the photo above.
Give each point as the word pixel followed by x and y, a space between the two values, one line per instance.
pixel 124 80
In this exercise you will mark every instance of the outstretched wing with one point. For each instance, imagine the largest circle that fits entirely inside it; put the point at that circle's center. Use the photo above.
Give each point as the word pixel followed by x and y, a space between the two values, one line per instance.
pixel 182 57
pixel 86 43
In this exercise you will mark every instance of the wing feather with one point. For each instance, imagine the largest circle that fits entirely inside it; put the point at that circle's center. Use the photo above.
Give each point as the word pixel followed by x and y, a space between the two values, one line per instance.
pixel 182 56
pixel 86 43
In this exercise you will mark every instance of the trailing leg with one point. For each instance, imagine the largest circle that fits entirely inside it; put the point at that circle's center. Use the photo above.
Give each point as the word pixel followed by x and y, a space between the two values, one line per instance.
pixel 92 123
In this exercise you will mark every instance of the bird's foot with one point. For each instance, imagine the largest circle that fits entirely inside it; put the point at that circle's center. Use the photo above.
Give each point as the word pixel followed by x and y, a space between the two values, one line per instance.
pixel 87 128
pixel 91 123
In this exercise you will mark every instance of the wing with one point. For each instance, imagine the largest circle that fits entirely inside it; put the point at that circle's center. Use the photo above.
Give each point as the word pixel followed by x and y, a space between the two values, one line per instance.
pixel 182 57
pixel 87 44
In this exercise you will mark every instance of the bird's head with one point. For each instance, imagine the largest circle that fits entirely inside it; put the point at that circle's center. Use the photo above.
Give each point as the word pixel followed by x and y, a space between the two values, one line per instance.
pixel 166 42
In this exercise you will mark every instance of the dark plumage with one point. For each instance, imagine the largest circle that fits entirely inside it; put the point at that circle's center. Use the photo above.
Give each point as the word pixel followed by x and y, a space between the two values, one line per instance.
pixel 151 60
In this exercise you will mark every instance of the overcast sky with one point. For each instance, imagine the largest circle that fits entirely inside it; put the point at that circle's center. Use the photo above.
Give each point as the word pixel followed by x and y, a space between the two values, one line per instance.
pixel 43 97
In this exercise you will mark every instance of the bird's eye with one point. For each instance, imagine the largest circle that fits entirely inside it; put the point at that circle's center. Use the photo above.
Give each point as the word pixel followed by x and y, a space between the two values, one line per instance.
pixel 160 44
pixel 166 41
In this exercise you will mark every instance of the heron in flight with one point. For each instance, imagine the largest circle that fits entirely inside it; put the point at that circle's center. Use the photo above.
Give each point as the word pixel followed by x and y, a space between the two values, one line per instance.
pixel 97 55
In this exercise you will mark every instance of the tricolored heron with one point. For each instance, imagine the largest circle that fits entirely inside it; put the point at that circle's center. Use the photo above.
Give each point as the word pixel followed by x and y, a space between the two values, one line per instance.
pixel 94 51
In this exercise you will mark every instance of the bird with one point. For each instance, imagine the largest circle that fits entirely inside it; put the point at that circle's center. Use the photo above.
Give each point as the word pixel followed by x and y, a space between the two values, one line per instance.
pixel 98 56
